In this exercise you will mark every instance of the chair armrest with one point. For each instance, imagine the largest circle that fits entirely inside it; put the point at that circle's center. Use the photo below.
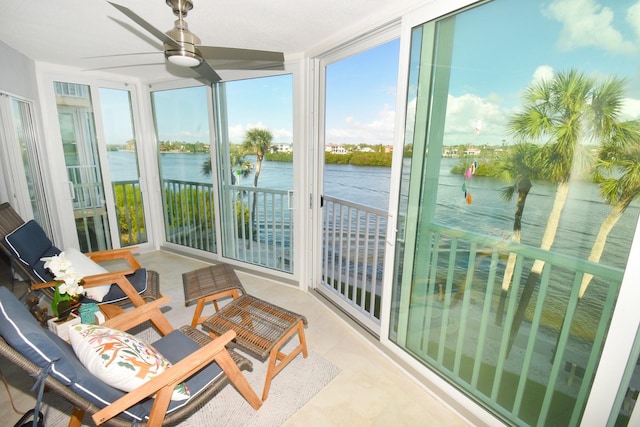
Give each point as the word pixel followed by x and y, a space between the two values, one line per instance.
pixel 104 278
pixel 149 311
pixel 43 285
pixel 113 254
pixel 164 383
pixel 89 281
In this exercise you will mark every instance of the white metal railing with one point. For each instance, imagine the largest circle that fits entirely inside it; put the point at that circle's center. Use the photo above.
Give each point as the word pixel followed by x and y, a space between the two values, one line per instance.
pixel 261 226
pixel 353 255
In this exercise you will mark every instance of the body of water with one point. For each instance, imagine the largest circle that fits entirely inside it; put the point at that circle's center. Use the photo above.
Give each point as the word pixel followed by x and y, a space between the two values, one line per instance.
pixel 487 214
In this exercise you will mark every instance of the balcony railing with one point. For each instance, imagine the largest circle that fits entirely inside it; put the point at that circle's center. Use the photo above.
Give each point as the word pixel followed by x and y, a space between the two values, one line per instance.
pixel 353 235
pixel 130 212
pixel 189 215
pixel 353 256
pixel 261 227
pixel 461 323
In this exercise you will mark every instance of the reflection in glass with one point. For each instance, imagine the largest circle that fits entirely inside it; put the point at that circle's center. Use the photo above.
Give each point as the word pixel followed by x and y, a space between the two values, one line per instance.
pixel 79 143
pixel 254 121
pixel 519 224
pixel 182 132
pixel 26 132
pixel 117 119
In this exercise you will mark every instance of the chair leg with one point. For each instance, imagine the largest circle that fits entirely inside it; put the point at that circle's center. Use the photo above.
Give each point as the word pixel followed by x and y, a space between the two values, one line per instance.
pixel 273 369
pixel 76 418
pixel 227 364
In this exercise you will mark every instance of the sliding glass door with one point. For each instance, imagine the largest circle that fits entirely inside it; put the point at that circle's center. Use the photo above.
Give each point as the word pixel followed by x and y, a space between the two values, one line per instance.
pixel 358 151
pixel 255 167
pixel 98 136
pixel 182 122
pixel 24 174
pixel 122 156
pixel 518 207
pixel 82 163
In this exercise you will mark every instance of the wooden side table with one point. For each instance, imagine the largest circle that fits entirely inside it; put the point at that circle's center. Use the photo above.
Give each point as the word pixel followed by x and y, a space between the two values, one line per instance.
pixel 262 328
pixel 209 284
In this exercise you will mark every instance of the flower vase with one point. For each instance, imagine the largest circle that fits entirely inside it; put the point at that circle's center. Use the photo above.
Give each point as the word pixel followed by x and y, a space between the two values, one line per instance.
pixel 62 304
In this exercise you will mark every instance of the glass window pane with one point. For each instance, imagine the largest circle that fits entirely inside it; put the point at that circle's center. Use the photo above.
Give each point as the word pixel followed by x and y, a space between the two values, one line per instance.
pixel 26 132
pixel 115 105
pixel 520 206
pixel 181 118
pixel 255 166
pixel 80 146
pixel 359 126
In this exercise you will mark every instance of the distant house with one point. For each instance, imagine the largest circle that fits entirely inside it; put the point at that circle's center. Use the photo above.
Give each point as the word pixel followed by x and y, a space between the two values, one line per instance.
pixel 335 149
pixel 282 148
pixel 449 152
pixel 388 149
pixel 472 151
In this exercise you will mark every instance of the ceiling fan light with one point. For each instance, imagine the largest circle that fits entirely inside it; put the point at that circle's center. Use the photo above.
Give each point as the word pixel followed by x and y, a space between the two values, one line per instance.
pixel 184 59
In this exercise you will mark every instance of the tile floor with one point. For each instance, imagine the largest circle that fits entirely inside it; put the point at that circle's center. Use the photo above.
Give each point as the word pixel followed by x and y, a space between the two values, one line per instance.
pixel 370 390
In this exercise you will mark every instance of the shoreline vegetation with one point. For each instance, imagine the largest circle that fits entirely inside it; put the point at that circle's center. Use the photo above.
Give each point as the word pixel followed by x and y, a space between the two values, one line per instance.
pixel 486 157
pixel 361 155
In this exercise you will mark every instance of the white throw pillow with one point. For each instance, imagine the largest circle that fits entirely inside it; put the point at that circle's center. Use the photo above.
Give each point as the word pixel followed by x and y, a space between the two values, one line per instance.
pixel 119 359
pixel 85 266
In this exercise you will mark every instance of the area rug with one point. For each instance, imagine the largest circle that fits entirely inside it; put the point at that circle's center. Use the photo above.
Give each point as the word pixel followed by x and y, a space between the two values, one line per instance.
pixel 290 390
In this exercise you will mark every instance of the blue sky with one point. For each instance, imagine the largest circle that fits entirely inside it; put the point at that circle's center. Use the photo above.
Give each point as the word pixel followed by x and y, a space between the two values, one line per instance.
pixel 502 47
pixel 498 50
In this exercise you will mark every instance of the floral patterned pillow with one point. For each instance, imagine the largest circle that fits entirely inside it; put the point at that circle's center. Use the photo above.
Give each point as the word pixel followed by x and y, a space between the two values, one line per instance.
pixel 119 359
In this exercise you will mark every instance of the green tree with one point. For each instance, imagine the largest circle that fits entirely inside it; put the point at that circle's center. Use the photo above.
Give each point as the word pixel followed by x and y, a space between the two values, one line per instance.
pixel 618 175
pixel 237 162
pixel 518 166
pixel 564 112
pixel 258 141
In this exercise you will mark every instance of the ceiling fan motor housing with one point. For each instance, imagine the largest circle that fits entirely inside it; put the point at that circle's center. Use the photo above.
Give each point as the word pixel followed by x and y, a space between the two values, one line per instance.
pixel 187 54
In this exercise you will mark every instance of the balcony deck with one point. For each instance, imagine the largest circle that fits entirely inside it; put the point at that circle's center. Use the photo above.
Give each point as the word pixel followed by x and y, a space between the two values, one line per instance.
pixel 369 391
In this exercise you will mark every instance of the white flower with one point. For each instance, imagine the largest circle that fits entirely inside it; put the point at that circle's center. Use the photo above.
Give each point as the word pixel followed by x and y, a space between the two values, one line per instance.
pixel 63 271
pixel 56 263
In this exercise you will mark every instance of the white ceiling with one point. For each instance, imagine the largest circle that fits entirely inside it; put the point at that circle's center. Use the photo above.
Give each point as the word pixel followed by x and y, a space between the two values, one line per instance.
pixel 70 32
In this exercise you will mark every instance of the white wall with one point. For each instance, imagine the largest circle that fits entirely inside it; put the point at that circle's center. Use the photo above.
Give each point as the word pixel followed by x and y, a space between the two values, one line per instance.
pixel 18 78
pixel 17 74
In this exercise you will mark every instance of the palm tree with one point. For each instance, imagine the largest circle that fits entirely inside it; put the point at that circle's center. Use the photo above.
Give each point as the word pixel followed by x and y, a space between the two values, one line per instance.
pixel 517 166
pixel 238 164
pixel 563 112
pixel 618 174
pixel 258 140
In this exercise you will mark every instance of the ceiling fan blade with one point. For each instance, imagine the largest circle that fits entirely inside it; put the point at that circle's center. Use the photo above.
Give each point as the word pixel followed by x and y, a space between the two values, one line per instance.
pixel 226 58
pixel 121 54
pixel 207 73
pixel 147 26
pixel 113 67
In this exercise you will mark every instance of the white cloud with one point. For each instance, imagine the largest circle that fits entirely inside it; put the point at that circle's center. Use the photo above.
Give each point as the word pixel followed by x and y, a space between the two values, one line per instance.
pixel 378 131
pixel 464 113
pixel 238 132
pixel 633 18
pixel 630 109
pixel 543 72
pixel 282 135
pixel 587 23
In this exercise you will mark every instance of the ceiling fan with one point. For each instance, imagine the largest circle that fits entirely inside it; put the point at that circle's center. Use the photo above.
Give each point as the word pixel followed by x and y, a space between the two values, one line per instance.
pixel 183 48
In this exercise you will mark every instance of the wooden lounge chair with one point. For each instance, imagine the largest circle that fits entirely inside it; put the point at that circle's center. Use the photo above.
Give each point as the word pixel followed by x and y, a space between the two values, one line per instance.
pixel 25 243
pixel 203 363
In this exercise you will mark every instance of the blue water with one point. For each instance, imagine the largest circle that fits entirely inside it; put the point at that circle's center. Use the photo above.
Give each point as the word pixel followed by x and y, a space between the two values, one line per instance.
pixel 488 214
